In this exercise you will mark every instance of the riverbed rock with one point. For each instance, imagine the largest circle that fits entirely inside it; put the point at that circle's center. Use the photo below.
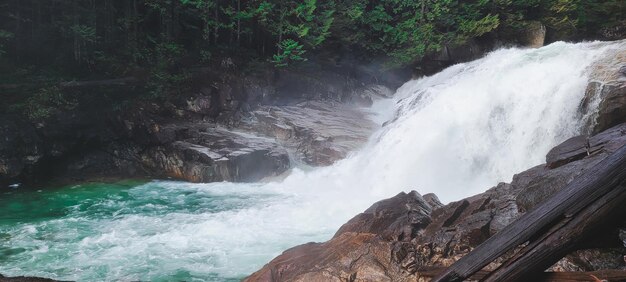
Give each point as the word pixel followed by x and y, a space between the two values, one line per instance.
pixel 605 92
pixel 362 250
pixel 205 153
pixel 319 132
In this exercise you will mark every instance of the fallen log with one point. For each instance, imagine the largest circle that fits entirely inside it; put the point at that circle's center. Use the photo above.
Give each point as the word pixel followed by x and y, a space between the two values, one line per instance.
pixel 599 217
pixel 601 275
pixel 559 211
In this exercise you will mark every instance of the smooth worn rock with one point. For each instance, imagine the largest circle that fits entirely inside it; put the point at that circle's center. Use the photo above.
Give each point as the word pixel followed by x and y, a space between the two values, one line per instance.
pixel 603 105
pixel 386 216
pixel 204 153
pixel 321 132
pixel 572 149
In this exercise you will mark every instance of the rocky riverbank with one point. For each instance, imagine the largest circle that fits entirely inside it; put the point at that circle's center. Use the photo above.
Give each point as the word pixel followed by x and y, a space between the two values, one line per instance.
pixel 402 238
pixel 232 127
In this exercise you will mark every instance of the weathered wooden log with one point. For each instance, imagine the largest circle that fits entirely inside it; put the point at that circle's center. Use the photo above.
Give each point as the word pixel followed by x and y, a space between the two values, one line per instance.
pixel 601 275
pixel 599 217
pixel 580 193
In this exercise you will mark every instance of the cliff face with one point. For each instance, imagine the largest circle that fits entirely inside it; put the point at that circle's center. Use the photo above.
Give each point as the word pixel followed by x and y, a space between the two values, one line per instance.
pixel 401 238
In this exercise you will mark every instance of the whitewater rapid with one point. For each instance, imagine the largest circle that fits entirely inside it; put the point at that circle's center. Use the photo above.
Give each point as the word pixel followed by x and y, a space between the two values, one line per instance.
pixel 455 134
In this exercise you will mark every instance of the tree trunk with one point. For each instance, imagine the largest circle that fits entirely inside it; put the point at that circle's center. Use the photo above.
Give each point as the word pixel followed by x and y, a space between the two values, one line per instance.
pixel 238 23
pixel 217 21
pixel 17 36
pixel 423 4
pixel 75 22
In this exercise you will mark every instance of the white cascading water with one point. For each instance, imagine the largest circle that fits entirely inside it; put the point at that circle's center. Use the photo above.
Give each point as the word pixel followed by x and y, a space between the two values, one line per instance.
pixel 456 133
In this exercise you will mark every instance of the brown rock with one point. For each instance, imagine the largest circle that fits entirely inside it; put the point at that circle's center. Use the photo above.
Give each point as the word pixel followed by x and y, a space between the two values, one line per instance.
pixel 572 149
pixel 388 216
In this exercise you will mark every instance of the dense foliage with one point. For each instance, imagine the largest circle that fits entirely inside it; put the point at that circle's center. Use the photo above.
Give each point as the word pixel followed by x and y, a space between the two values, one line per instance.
pixel 159 39
pixel 120 32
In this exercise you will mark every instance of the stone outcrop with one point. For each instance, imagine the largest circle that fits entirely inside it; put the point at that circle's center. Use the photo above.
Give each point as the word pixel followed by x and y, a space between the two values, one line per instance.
pixel 259 145
pixel 319 132
pixel 205 153
pixel 389 243
pixel 606 91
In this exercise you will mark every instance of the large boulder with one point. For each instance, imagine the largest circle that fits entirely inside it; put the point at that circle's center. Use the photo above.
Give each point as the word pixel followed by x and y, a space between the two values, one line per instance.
pixel 358 251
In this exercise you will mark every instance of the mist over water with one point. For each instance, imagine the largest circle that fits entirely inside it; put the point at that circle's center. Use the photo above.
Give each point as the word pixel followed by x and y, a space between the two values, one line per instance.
pixel 456 134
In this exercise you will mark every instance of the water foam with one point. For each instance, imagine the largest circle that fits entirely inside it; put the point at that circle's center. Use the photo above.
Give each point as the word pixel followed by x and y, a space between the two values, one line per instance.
pixel 456 133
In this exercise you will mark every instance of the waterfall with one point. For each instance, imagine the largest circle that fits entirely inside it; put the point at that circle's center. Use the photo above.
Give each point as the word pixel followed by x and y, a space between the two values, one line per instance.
pixel 455 134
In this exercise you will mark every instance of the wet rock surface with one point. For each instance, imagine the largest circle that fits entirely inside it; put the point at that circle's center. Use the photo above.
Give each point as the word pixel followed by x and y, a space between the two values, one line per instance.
pixel 368 247
pixel 319 132
pixel 605 91
pixel 612 108
pixel 205 153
